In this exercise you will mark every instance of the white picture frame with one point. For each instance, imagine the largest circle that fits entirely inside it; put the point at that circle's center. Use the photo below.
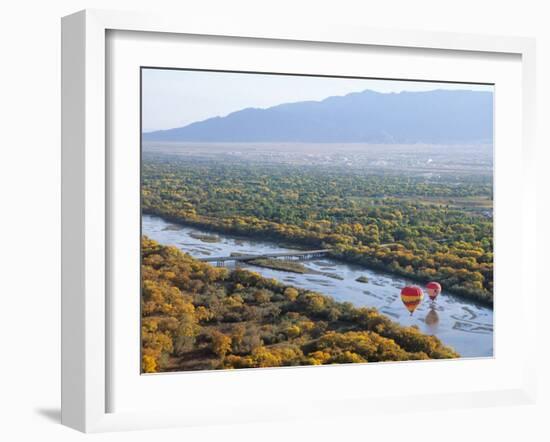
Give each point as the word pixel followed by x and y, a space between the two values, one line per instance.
pixel 86 209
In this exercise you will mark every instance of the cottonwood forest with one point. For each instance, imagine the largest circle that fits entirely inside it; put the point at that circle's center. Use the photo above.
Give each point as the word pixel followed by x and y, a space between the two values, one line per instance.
pixel 198 317
pixel 400 224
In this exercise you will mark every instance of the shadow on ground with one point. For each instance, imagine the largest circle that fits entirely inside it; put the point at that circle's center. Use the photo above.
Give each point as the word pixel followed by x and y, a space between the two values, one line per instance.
pixel 51 414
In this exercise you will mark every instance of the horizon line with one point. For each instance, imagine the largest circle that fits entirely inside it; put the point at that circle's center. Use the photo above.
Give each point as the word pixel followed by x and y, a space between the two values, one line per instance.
pixel 319 101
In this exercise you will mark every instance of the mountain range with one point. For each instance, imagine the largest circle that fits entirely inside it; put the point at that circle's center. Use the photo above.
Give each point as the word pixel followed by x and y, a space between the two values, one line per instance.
pixel 438 117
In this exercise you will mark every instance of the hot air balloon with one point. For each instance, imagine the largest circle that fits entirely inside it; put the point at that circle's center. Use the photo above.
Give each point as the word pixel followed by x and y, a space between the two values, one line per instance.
pixel 411 297
pixel 433 288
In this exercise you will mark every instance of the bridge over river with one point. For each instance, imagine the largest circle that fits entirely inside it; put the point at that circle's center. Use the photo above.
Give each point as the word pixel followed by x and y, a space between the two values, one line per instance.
pixel 237 257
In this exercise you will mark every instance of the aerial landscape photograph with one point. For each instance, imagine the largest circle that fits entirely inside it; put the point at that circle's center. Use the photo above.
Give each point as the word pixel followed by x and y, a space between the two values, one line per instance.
pixel 303 220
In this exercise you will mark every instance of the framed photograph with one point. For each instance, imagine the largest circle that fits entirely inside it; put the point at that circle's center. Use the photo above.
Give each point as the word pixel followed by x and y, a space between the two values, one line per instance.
pixel 287 223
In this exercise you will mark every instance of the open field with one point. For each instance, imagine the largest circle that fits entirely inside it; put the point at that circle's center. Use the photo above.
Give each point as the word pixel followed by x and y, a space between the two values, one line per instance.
pixel 421 159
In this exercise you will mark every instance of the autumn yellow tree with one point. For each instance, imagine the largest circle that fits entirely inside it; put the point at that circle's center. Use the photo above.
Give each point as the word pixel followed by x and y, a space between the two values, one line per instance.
pixel 221 344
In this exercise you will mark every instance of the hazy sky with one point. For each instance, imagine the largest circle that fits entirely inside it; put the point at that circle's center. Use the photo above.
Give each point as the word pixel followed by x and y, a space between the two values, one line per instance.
pixel 173 98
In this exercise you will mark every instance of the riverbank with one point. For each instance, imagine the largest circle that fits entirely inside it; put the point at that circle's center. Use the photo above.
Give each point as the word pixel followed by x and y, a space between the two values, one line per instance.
pixel 289 266
pixel 239 319
pixel 463 324
pixel 277 264
pixel 279 237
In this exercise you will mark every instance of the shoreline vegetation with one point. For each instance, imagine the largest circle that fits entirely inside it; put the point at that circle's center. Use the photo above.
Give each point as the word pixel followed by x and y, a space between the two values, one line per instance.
pixel 226 227
pixel 277 264
pixel 290 266
pixel 422 227
pixel 199 317
pixel 205 238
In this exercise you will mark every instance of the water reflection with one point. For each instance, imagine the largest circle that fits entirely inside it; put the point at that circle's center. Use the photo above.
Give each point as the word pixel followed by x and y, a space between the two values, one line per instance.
pixel 432 320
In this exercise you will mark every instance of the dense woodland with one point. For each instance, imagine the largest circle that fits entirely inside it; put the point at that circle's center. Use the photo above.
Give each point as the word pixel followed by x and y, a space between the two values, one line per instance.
pixel 196 316
pixel 422 226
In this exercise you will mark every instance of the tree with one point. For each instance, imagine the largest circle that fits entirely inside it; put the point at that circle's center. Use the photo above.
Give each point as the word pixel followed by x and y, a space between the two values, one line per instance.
pixel 262 296
pixel 148 364
pixel 221 344
pixel 291 294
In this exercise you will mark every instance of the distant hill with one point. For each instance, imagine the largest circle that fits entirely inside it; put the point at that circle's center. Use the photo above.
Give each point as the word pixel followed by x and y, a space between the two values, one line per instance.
pixel 440 116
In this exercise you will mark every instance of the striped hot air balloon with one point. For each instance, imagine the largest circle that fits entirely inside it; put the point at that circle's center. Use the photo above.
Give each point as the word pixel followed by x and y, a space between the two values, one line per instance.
pixel 433 288
pixel 411 297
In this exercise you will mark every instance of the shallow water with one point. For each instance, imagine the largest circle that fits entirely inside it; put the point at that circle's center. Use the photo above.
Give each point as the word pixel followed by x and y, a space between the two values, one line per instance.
pixel 464 325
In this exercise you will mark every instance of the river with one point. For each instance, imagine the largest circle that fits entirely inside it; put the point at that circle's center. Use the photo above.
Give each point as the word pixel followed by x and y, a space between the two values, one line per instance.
pixel 464 325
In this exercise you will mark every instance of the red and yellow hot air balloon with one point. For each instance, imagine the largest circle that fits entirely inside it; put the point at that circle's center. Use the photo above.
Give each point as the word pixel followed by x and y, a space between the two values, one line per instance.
pixel 411 296
pixel 433 288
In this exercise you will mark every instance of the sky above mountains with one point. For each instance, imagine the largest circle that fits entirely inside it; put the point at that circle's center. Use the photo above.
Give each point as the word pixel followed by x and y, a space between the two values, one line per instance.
pixel 177 98
pixel 430 117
